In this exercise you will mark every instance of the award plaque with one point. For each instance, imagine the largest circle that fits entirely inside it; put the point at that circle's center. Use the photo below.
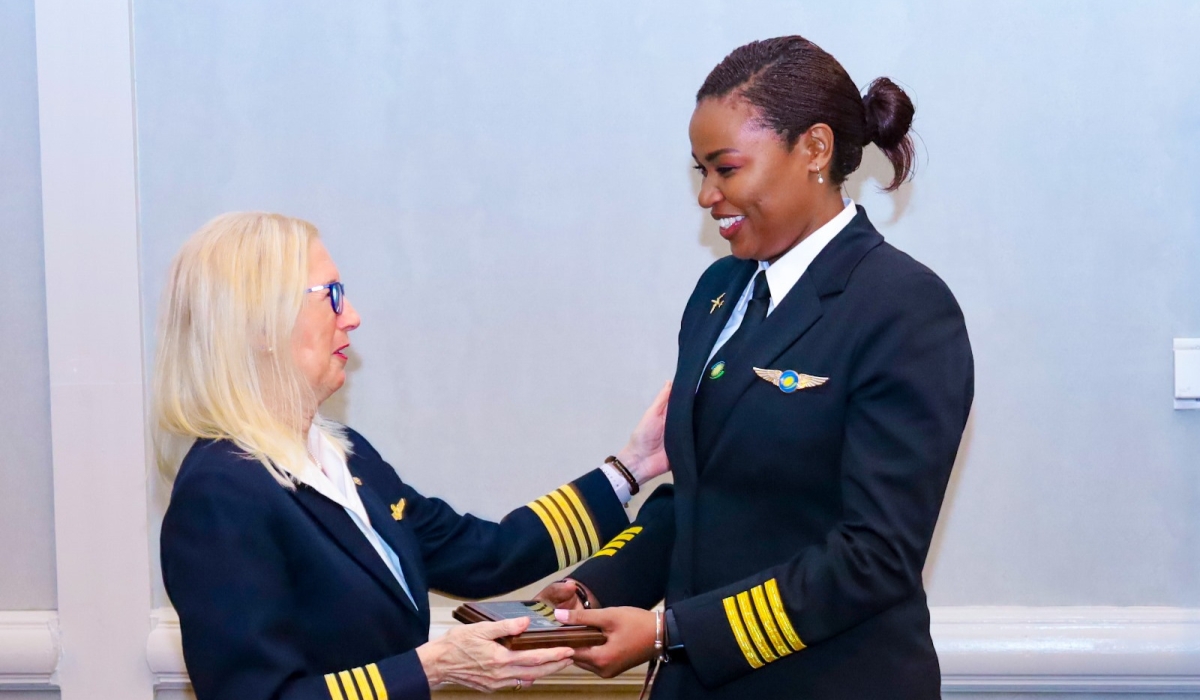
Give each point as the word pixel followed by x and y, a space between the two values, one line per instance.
pixel 543 631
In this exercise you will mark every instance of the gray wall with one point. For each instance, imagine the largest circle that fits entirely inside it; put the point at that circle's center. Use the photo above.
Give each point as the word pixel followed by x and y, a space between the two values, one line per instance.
pixel 508 194
pixel 26 496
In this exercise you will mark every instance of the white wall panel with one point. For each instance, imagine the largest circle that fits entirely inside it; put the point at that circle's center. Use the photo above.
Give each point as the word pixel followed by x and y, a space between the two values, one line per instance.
pixel 26 498
pixel 507 192
pixel 89 211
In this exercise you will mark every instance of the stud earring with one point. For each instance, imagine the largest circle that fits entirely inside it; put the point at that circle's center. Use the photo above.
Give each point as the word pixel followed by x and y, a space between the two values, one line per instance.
pixel 820 179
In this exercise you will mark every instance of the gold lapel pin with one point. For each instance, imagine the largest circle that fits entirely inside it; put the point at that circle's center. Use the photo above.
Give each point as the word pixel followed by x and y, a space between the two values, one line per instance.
pixel 398 509
pixel 717 303
pixel 357 481
pixel 790 380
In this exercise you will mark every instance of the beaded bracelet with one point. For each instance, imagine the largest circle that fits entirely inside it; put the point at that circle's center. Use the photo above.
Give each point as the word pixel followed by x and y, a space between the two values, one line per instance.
pixel 633 484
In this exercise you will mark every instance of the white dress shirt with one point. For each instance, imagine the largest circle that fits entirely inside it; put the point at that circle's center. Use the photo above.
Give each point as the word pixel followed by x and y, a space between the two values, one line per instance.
pixel 330 477
pixel 783 274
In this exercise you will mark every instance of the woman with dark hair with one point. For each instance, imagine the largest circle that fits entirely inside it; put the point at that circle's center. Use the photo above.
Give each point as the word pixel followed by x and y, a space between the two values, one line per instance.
pixel 823 384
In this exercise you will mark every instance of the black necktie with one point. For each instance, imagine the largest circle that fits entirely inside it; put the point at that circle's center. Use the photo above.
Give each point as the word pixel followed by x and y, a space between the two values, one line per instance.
pixel 756 311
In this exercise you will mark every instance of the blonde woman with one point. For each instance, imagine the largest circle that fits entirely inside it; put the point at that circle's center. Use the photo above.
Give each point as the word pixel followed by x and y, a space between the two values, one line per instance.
pixel 297 558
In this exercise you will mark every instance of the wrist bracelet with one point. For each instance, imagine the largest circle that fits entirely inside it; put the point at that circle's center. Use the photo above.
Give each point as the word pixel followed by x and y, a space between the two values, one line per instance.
pixel 582 596
pixel 660 645
pixel 659 658
pixel 633 484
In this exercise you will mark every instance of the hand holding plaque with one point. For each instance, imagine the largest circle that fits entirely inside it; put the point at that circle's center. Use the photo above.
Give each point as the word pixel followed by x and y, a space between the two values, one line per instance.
pixel 544 630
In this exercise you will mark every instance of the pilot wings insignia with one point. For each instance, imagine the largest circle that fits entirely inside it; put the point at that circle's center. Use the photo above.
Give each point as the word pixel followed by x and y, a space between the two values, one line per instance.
pixel 789 380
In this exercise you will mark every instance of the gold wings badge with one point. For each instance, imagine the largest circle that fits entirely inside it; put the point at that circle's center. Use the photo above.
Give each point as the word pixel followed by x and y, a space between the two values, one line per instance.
pixel 789 380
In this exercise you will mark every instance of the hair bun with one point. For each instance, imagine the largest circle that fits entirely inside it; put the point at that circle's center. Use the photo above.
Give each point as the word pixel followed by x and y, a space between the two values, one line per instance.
pixel 889 114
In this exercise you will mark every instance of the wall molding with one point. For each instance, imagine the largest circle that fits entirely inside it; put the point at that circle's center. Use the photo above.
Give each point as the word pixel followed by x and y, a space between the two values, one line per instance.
pixel 87 134
pixel 29 649
pixel 982 649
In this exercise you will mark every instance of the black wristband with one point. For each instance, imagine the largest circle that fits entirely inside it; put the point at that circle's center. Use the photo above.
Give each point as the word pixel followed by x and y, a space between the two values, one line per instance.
pixel 675 651
pixel 582 596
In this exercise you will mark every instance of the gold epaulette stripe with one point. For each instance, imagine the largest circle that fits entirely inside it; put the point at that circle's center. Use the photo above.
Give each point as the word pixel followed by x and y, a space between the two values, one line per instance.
pixel 555 536
pixel 355 684
pixel 781 617
pixel 567 526
pixel 739 633
pixel 334 691
pixel 585 517
pixel 627 535
pixel 558 501
pixel 619 541
pixel 377 681
pixel 610 549
pixel 756 633
pixel 768 621
pixel 364 688
pixel 348 685
pixel 570 524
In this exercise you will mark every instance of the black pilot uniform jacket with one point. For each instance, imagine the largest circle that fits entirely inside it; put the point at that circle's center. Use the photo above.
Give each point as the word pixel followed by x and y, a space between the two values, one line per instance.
pixel 799 522
pixel 281 597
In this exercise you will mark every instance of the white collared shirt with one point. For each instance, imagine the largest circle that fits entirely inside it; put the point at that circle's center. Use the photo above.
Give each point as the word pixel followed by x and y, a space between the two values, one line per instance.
pixel 783 274
pixel 332 479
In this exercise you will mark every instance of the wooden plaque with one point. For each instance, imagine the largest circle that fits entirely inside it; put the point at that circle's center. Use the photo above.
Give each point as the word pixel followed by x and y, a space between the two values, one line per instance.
pixel 544 631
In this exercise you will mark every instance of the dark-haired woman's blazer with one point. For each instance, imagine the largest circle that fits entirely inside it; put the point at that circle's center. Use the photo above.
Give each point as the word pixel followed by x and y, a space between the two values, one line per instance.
pixel 281 597
pixel 800 521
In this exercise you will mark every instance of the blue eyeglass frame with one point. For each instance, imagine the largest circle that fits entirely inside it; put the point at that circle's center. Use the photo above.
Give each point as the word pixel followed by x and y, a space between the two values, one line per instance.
pixel 337 294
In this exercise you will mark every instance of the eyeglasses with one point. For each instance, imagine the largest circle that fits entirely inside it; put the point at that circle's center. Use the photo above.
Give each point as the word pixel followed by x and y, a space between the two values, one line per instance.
pixel 337 294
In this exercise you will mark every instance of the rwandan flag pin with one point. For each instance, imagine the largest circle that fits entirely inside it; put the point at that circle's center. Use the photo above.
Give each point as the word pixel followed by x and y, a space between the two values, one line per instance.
pixel 790 380
pixel 717 370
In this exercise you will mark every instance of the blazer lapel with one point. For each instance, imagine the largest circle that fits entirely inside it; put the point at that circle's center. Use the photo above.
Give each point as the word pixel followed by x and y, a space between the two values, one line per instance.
pixel 798 311
pixel 402 541
pixel 693 358
pixel 337 523
pixel 796 314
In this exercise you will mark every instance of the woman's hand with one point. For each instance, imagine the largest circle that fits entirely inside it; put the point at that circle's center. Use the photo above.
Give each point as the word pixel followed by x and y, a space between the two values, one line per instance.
pixel 469 656
pixel 564 595
pixel 645 454
pixel 630 633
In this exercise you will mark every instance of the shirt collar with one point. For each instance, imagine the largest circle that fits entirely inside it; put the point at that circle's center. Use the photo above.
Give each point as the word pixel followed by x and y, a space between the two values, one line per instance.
pixel 331 478
pixel 783 274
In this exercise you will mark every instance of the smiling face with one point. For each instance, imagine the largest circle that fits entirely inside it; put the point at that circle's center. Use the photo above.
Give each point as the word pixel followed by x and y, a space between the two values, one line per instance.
pixel 765 196
pixel 321 338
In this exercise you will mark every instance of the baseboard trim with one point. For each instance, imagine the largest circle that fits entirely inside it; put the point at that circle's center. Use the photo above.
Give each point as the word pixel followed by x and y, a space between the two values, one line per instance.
pixel 981 649
pixel 1068 649
pixel 29 649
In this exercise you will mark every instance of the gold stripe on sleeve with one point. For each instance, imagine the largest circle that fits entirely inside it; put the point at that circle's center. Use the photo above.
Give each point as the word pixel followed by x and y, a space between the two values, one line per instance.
pixel 364 688
pixel 570 540
pixel 572 521
pixel 584 515
pixel 756 635
pixel 377 681
pixel 739 633
pixel 551 528
pixel 334 691
pixel 348 685
pixel 619 541
pixel 628 534
pixel 768 621
pixel 781 616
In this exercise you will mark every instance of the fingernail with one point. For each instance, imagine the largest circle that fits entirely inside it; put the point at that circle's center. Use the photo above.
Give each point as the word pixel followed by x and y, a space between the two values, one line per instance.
pixel 561 615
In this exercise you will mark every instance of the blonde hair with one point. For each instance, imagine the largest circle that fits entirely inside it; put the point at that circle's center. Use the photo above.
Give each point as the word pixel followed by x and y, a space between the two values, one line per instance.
pixel 223 368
